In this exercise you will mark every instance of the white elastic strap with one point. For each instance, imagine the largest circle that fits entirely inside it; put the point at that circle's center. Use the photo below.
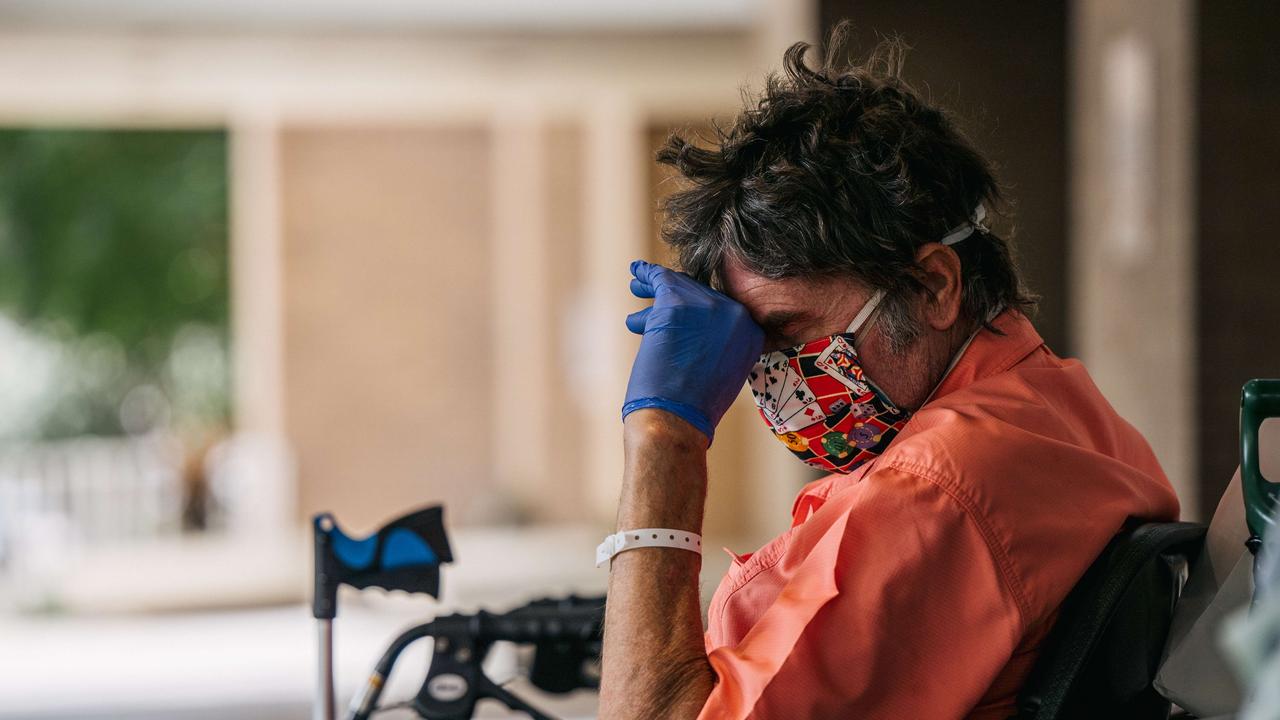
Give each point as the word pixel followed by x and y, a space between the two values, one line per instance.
pixel 646 537
pixel 951 238
pixel 964 231
pixel 865 312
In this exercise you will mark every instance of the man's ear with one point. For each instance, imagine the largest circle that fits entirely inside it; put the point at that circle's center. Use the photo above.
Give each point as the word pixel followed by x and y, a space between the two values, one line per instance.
pixel 938 270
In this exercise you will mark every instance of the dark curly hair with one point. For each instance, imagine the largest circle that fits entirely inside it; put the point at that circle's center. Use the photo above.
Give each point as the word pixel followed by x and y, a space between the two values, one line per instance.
pixel 840 169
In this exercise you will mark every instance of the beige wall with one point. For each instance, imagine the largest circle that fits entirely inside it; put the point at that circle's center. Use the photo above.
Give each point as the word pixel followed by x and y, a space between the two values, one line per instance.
pixel 1132 220
pixel 558 496
pixel 386 356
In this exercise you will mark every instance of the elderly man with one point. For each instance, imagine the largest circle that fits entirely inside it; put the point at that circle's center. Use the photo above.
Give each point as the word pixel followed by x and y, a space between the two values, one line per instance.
pixel 973 475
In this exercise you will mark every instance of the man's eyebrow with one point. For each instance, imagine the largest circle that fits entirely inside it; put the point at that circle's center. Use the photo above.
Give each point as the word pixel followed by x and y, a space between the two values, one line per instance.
pixel 779 319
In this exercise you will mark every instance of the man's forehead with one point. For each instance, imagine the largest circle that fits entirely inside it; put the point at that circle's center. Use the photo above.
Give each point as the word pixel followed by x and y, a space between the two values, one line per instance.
pixel 765 296
pixel 748 287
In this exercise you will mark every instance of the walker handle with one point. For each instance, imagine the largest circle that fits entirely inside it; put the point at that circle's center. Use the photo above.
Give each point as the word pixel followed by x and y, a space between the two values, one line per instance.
pixel 1259 400
pixel 405 554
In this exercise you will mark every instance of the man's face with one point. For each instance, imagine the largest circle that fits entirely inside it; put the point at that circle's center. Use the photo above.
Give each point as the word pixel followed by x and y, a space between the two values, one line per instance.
pixel 796 310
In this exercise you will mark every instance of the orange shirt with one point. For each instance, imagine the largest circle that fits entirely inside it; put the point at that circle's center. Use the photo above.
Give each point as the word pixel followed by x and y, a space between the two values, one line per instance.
pixel 922 584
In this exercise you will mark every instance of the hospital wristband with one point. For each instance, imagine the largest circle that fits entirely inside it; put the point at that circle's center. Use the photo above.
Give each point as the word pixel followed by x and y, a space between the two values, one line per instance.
pixel 645 538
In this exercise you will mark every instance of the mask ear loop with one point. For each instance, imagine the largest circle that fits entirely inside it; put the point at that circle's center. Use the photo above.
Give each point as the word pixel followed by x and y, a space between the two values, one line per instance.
pixel 864 313
pixel 963 231
pixel 956 235
pixel 951 238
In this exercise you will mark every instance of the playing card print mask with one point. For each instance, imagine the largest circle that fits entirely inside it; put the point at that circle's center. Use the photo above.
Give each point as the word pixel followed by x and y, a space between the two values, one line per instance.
pixel 819 402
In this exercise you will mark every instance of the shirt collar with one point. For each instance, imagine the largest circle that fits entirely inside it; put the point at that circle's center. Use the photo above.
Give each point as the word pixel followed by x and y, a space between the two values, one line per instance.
pixel 990 352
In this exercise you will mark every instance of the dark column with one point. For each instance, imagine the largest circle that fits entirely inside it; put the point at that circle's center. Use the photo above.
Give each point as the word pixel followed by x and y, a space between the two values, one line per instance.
pixel 1239 227
pixel 1001 67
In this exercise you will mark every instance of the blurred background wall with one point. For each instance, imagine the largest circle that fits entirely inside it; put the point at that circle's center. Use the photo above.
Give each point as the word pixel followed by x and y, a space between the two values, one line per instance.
pixel 266 259
pixel 1237 292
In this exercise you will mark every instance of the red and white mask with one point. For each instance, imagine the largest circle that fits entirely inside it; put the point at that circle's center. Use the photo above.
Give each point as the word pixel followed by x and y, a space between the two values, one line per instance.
pixel 818 400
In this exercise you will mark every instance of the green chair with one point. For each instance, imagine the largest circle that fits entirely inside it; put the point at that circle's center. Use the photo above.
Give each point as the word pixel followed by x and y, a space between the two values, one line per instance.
pixel 1259 400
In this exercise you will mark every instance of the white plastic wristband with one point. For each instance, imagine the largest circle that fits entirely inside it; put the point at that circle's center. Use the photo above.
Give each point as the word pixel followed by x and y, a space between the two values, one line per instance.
pixel 646 537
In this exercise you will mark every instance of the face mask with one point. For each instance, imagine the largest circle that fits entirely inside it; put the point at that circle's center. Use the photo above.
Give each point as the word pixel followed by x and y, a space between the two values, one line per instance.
pixel 817 400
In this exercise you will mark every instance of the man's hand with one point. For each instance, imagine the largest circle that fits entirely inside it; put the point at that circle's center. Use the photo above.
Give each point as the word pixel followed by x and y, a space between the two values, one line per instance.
pixel 697 349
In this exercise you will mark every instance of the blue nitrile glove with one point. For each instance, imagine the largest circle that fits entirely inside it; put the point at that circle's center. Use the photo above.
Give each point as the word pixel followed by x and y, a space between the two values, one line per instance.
pixel 698 347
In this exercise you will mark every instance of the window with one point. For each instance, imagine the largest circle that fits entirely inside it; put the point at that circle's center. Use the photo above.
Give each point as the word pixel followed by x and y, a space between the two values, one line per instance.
pixel 114 371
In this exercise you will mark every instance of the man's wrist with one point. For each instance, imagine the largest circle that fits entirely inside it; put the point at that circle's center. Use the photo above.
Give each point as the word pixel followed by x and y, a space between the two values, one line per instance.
pixel 666 480
pixel 657 428
pixel 690 414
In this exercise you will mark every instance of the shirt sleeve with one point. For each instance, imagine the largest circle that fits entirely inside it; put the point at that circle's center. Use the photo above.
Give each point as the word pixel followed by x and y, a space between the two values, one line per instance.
pixel 902 607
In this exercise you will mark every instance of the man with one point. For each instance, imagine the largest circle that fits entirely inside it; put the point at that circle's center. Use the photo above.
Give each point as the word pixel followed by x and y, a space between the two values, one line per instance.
pixel 974 475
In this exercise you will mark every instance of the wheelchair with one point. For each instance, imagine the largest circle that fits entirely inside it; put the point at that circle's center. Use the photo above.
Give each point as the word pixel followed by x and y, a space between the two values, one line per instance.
pixel 1098 662
pixel 1101 658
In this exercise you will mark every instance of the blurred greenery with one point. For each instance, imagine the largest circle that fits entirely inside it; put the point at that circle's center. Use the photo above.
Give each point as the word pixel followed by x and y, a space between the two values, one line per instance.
pixel 114 244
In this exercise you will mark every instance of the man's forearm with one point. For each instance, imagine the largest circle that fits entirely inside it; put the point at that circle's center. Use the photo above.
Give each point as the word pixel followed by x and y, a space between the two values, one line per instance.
pixel 655 664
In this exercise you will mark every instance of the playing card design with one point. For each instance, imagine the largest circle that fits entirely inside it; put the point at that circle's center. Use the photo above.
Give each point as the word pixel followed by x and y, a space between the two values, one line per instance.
pixel 791 384
pixel 797 399
pixel 815 398
pixel 840 361
pixel 761 380
pixel 776 371
pixel 755 380
pixel 767 380
pixel 806 416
